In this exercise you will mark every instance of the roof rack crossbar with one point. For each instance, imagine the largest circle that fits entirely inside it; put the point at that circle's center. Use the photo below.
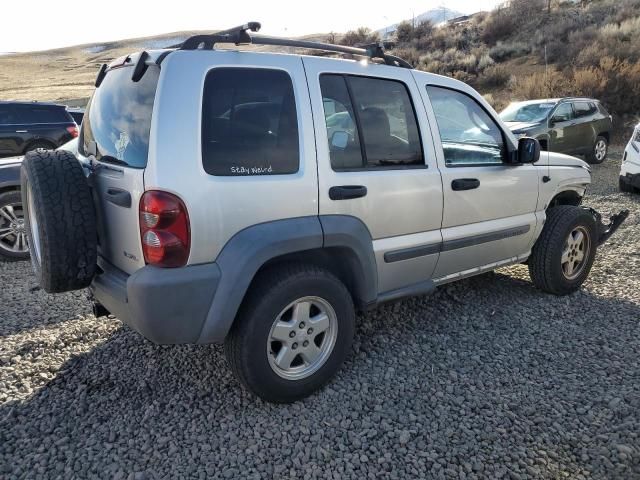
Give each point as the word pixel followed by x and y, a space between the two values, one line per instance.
pixel 241 36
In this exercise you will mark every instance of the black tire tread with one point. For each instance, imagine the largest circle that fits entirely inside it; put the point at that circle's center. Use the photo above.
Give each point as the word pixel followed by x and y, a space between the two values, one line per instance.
pixel 541 262
pixel 67 220
pixel 268 281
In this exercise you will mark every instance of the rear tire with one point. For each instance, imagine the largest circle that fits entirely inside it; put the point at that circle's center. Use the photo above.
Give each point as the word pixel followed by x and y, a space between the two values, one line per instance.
pixel 13 233
pixel 599 151
pixel 564 253
pixel 60 219
pixel 274 308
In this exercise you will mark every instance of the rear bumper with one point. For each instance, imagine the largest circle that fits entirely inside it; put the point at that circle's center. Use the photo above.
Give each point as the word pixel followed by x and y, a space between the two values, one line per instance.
pixel 631 179
pixel 166 305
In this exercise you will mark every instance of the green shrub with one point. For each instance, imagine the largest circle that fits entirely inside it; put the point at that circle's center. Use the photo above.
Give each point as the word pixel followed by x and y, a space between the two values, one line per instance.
pixel 507 50
pixel 362 35
pixel 496 76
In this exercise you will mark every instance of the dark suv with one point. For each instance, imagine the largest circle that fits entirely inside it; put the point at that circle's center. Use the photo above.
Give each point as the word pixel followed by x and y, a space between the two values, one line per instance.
pixel 575 126
pixel 26 126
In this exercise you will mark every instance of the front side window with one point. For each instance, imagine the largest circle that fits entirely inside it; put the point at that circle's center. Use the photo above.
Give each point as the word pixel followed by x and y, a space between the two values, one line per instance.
pixel 563 113
pixel 370 123
pixel 468 134
pixel 249 123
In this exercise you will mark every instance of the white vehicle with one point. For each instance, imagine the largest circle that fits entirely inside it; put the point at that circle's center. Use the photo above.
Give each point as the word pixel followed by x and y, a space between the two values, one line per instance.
pixel 630 169
pixel 261 199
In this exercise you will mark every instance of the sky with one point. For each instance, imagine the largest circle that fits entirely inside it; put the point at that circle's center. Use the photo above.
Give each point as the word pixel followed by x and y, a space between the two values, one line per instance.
pixel 30 25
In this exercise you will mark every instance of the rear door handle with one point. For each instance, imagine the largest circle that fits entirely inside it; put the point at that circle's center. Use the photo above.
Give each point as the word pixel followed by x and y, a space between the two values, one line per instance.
pixel 465 184
pixel 119 197
pixel 347 192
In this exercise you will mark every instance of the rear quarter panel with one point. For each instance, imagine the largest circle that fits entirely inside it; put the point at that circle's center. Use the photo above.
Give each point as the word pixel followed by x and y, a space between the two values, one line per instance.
pixel 220 207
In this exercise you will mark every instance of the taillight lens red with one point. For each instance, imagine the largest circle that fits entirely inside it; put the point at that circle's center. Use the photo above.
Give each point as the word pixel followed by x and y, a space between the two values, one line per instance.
pixel 164 229
pixel 73 131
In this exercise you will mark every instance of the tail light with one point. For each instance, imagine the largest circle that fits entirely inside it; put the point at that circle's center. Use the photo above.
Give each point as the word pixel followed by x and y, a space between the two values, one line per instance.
pixel 164 229
pixel 73 131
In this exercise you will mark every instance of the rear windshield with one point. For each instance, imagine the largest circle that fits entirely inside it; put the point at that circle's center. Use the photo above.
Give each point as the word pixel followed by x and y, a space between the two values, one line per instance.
pixel 118 118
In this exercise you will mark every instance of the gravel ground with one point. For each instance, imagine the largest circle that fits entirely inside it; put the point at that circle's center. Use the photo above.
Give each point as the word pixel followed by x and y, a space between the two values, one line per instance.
pixel 487 378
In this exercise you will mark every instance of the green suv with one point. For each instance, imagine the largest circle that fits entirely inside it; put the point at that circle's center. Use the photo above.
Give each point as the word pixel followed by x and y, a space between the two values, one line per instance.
pixel 575 126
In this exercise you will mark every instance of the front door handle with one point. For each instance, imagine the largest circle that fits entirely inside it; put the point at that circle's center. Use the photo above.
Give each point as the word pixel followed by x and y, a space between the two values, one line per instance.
pixel 22 131
pixel 465 184
pixel 347 192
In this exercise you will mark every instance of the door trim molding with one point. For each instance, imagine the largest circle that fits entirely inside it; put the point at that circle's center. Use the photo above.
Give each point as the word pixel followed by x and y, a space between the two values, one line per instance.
pixel 448 245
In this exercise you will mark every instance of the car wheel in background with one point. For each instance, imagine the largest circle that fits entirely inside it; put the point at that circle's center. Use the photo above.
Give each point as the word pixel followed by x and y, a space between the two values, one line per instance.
pixel 562 256
pixel 60 220
pixel 292 333
pixel 599 152
pixel 38 144
pixel 13 231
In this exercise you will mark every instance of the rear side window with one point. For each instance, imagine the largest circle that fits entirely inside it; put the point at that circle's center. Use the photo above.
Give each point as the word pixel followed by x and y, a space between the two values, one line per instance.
pixel 7 115
pixel 41 114
pixel 249 123
pixel 370 123
pixel 584 109
pixel 468 134
pixel 118 118
pixel 602 110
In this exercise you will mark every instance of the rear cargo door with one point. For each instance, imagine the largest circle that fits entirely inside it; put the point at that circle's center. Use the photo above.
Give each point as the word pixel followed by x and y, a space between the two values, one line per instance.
pixel 115 136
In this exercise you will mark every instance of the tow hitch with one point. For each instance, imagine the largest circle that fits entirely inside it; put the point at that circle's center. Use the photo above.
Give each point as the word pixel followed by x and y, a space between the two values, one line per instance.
pixel 605 231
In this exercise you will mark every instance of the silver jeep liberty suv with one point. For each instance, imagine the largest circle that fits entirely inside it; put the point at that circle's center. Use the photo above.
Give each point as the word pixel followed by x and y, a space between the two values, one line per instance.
pixel 262 199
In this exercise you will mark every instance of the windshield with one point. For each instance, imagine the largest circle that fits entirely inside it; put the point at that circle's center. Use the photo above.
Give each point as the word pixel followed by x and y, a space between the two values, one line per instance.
pixel 118 118
pixel 527 112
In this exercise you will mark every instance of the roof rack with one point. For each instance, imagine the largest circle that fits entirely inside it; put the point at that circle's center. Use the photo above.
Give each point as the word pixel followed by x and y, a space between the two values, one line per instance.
pixel 240 36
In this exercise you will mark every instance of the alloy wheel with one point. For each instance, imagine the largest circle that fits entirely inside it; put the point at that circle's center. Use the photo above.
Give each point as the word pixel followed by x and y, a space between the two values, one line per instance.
pixel 575 254
pixel 13 231
pixel 302 338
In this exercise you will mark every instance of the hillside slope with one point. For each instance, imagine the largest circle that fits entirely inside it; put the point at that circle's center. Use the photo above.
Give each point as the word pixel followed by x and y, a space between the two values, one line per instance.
pixel 67 75
pixel 536 49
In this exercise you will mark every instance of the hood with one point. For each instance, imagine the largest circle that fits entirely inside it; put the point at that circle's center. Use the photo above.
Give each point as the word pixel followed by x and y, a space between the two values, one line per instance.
pixel 10 160
pixel 562 160
pixel 515 126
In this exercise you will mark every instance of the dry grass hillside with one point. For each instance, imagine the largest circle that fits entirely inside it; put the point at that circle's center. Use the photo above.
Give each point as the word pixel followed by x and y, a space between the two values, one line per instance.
pixel 530 49
pixel 67 75
pixel 524 49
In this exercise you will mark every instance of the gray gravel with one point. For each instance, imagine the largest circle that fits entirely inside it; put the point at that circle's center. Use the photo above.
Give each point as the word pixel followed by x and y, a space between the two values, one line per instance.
pixel 487 378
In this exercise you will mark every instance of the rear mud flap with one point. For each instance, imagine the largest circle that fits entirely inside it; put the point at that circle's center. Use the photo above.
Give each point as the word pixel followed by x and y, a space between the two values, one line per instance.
pixel 606 230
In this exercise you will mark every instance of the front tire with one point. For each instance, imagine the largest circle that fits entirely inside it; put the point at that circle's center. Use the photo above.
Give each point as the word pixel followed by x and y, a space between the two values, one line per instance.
pixel 564 253
pixel 292 333
pixel 599 152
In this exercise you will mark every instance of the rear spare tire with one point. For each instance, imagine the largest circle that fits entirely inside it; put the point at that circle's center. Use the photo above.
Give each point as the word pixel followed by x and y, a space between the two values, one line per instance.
pixel 60 219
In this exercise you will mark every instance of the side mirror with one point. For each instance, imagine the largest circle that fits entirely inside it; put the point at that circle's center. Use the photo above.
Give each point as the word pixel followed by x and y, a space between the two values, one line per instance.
pixel 340 140
pixel 528 150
